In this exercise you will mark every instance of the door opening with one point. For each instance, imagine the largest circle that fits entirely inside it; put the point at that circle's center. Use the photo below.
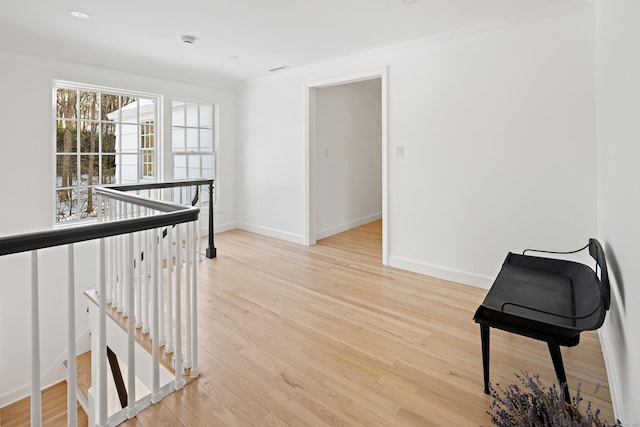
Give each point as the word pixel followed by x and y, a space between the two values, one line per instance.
pixel 347 155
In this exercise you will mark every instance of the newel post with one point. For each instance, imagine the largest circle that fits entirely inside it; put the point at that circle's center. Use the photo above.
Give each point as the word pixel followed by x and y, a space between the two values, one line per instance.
pixel 211 249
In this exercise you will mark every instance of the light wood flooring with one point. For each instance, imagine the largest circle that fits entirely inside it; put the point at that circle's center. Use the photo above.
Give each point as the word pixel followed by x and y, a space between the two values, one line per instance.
pixel 54 409
pixel 328 336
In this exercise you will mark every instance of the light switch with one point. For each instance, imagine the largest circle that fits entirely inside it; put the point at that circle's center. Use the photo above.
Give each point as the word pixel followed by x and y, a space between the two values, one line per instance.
pixel 399 151
pixel 326 153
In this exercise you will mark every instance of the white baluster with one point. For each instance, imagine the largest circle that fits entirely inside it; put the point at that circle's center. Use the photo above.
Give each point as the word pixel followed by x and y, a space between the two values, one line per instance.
pixel 122 266
pixel 195 371
pixel 146 268
pixel 188 263
pixel 155 327
pixel 131 326
pixel 121 261
pixel 101 351
pixel 116 255
pixel 36 400
pixel 169 346
pixel 179 369
pixel 113 264
pixel 72 414
pixel 111 288
pixel 138 251
pixel 100 214
pixel 159 273
pixel 103 216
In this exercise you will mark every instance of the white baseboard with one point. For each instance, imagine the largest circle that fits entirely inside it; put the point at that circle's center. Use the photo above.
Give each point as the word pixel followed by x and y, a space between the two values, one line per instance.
pixel 612 374
pixel 441 272
pixel 347 226
pixel 271 232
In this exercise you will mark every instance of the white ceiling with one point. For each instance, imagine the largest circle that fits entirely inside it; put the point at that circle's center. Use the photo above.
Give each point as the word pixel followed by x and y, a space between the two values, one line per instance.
pixel 143 35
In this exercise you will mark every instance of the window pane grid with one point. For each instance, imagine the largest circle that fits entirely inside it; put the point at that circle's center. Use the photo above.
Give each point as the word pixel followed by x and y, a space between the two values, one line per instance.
pixel 94 131
pixel 192 141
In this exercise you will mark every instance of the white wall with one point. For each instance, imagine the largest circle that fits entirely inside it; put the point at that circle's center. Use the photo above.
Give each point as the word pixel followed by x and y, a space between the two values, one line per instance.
pixel 27 177
pixel 271 158
pixel 15 324
pixel 26 117
pixel 618 42
pixel 497 125
pixel 348 156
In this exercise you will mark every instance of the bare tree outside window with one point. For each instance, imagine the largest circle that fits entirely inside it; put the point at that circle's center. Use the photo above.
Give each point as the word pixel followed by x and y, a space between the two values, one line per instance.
pixel 99 140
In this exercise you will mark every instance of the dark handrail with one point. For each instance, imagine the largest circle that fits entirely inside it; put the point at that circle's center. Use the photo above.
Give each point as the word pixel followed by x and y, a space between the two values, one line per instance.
pixel 153 185
pixel 63 236
pixel 211 251
pixel 170 214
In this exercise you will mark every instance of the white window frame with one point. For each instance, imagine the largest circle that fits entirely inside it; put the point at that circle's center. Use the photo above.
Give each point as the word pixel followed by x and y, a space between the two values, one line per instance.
pixel 156 101
pixel 185 127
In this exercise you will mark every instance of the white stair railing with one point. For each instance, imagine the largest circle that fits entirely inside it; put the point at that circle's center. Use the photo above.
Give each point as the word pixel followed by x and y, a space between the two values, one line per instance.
pixel 160 291
pixel 121 223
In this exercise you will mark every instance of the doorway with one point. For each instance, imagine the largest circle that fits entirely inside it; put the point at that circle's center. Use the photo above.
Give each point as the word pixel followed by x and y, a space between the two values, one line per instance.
pixel 347 155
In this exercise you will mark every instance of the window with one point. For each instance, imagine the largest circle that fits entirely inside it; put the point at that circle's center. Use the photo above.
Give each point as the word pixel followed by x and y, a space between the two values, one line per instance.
pixel 147 148
pixel 193 141
pixel 101 137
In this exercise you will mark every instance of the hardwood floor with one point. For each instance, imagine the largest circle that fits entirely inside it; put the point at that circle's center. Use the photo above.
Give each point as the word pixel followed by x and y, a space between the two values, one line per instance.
pixel 54 409
pixel 328 336
pixel 325 335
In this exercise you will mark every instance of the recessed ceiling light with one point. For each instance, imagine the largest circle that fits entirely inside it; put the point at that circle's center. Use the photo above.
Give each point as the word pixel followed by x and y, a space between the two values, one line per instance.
pixel 408 2
pixel 187 40
pixel 234 57
pixel 78 14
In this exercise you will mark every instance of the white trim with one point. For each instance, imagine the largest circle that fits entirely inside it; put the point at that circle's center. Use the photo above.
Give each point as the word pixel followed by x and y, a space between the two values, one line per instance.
pixel 309 175
pixel 215 141
pixel 156 104
pixel 384 92
pixel 442 272
pixel 311 234
pixel 615 388
pixel 66 84
pixel 321 234
pixel 272 232
pixel 356 76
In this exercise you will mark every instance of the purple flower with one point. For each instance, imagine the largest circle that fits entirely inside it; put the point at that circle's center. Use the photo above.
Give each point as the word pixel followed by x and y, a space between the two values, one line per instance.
pixel 534 405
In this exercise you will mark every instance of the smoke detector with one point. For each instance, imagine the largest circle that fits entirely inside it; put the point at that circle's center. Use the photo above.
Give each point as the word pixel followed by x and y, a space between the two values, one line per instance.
pixel 187 40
